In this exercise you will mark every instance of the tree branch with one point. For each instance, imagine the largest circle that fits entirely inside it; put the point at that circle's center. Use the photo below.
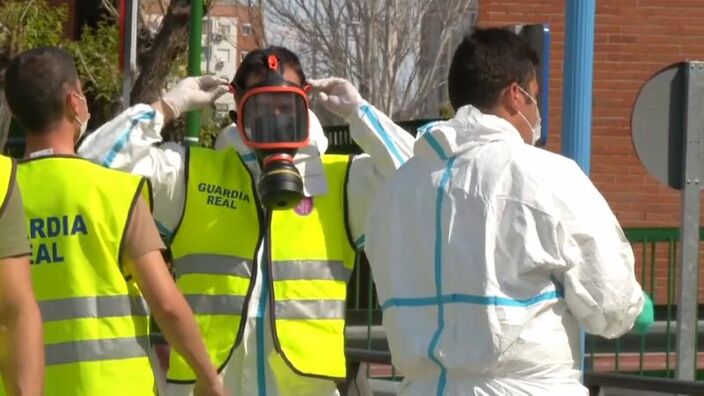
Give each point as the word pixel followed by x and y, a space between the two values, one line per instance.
pixel 385 58
pixel 169 43
pixel 109 7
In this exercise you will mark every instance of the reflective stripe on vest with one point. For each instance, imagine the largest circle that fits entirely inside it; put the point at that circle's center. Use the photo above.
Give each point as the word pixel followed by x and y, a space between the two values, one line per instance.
pixel 96 350
pixel 204 304
pixel 7 179
pixel 95 322
pixel 310 309
pixel 310 269
pixel 92 307
pixel 213 264
pixel 213 250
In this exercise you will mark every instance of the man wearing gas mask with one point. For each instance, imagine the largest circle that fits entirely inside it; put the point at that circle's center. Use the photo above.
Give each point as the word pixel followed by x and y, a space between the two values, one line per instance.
pixel 265 228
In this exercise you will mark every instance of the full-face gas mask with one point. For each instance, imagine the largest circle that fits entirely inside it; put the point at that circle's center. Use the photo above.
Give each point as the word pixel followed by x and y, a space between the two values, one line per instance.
pixel 272 119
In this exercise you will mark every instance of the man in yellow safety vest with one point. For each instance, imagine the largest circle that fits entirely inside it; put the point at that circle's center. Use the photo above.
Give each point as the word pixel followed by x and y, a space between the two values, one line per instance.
pixel 96 252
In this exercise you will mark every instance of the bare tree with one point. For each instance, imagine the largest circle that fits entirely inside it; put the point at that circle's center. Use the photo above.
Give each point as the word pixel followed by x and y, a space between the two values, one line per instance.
pixel 170 41
pixel 380 45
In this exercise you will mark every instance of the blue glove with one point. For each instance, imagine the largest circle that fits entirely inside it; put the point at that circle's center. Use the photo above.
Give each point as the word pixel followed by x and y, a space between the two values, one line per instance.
pixel 646 318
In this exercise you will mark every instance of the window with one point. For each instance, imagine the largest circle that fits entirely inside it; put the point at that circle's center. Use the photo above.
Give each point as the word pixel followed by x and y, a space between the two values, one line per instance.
pixel 224 55
pixel 225 29
pixel 246 29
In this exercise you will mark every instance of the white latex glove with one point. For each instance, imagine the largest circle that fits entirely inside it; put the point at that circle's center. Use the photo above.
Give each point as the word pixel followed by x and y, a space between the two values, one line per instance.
pixel 194 93
pixel 337 95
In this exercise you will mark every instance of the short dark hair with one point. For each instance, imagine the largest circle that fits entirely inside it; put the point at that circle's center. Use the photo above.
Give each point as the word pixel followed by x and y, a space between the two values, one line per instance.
pixel 36 83
pixel 256 63
pixel 486 62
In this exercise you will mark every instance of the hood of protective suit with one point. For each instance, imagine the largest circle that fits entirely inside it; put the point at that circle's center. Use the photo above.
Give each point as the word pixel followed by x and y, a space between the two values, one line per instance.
pixel 469 128
pixel 307 160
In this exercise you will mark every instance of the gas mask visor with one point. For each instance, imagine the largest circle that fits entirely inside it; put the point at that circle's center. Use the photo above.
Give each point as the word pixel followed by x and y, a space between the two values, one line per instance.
pixel 274 118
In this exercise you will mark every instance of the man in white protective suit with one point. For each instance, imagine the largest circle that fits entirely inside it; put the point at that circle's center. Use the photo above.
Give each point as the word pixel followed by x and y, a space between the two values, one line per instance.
pixel 495 252
pixel 269 294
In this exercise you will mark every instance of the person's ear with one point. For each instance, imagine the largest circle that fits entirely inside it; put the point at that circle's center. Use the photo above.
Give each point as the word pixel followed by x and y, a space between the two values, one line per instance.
pixel 510 98
pixel 72 105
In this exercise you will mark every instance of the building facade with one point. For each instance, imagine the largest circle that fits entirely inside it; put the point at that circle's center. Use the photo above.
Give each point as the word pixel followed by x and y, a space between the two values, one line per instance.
pixel 231 29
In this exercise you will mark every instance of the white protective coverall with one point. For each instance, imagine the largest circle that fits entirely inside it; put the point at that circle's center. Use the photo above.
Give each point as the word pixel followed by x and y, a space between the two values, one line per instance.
pixel 494 253
pixel 129 143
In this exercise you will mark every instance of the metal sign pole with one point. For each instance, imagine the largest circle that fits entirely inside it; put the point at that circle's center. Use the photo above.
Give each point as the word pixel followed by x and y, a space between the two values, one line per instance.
pixel 129 66
pixel 689 231
pixel 580 16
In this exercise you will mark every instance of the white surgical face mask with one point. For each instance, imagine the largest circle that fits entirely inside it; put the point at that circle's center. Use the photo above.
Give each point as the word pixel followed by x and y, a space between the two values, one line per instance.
pixel 84 123
pixel 536 129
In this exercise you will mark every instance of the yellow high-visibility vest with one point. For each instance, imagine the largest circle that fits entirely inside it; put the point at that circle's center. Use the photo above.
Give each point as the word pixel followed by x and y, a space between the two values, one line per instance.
pixel 311 257
pixel 7 180
pixel 95 320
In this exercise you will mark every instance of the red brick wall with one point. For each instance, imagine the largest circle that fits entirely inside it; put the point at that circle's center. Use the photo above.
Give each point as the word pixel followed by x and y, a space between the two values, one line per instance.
pixel 633 40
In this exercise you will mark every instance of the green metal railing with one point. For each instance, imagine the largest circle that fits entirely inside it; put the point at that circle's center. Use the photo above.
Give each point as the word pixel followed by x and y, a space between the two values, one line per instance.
pixel 655 251
pixel 653 354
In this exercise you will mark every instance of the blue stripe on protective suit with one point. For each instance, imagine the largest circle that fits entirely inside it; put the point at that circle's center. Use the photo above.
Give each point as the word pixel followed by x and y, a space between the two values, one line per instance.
pixel 249 157
pixel 444 182
pixel 472 299
pixel 435 145
pixel 427 127
pixel 379 129
pixel 261 311
pixel 359 243
pixel 164 232
pixel 125 137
